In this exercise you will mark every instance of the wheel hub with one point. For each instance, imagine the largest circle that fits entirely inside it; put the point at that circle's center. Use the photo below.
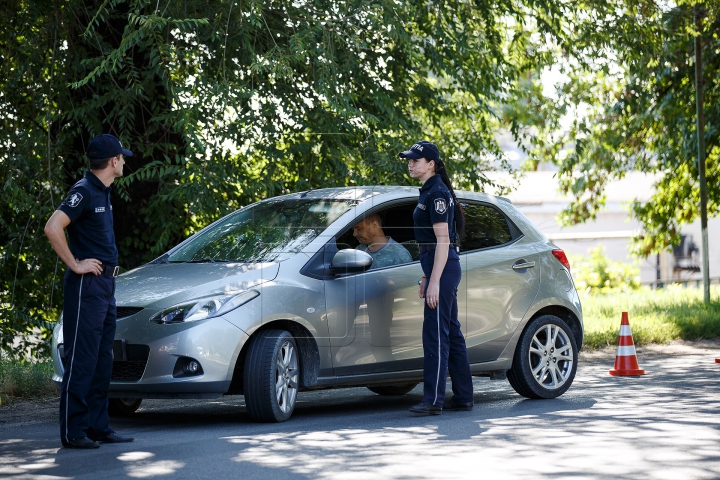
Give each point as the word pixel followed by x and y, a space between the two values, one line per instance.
pixel 550 356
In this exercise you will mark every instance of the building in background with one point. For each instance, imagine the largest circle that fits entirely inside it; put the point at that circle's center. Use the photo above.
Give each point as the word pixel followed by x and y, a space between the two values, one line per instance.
pixel 538 198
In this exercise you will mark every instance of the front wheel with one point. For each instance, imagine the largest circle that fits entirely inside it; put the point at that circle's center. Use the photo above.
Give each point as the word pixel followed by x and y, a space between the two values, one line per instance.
pixel 545 359
pixel 271 376
pixel 122 407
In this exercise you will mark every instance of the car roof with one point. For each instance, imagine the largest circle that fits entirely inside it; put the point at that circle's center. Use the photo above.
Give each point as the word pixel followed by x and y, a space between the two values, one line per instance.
pixel 363 193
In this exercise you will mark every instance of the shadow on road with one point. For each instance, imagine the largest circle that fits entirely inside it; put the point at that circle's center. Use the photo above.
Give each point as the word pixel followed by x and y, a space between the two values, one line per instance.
pixel 662 425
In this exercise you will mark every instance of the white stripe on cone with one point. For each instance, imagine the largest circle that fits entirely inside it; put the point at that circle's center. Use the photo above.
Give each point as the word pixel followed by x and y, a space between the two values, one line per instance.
pixel 626 351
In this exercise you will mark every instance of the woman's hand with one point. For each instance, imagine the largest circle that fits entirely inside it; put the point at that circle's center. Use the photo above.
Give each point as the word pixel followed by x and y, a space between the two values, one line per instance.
pixel 432 295
pixel 421 288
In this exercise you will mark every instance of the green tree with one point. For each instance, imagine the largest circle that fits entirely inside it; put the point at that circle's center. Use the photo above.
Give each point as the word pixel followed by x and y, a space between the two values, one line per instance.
pixel 226 102
pixel 628 104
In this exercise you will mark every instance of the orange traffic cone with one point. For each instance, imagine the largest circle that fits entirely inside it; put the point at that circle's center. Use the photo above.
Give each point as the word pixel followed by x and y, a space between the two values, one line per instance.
pixel 626 363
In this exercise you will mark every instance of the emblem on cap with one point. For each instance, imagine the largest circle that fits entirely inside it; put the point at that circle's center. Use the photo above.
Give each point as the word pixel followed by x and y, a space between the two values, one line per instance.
pixel 440 205
pixel 74 200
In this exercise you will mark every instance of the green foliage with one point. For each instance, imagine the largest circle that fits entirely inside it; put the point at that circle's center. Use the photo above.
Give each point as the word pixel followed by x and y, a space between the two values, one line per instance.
pixel 227 102
pixel 596 273
pixel 656 316
pixel 25 379
pixel 626 102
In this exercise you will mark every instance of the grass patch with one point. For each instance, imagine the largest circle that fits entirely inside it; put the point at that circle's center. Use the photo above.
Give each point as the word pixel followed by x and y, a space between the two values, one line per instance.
pixel 656 316
pixel 25 380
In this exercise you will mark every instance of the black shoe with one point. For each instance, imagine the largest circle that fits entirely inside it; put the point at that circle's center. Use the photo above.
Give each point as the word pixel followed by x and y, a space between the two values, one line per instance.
pixel 423 408
pixel 462 406
pixel 81 442
pixel 115 438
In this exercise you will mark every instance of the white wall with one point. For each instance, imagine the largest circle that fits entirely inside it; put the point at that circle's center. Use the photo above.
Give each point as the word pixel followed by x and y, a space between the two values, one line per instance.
pixel 537 197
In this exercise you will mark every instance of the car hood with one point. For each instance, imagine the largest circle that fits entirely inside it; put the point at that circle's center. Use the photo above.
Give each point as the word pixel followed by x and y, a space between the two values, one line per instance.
pixel 169 283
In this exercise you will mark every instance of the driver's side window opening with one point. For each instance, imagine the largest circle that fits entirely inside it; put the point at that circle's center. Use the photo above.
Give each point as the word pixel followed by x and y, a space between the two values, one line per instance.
pixel 396 223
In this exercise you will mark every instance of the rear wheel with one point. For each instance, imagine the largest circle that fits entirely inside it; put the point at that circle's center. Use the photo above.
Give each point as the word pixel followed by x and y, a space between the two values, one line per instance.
pixel 400 389
pixel 271 376
pixel 545 359
pixel 121 407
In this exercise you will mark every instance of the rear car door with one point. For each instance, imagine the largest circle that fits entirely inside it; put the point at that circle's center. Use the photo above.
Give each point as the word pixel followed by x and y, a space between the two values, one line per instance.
pixel 501 272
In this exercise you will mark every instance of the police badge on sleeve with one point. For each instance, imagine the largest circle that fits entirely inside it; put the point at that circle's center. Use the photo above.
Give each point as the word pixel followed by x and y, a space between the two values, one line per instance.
pixel 73 200
pixel 440 205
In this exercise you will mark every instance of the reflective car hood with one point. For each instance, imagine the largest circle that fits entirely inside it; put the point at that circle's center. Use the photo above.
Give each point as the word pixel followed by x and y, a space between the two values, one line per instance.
pixel 151 283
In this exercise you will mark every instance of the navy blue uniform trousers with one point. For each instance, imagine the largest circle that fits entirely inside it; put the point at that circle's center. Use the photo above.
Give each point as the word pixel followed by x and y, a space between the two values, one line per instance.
pixel 89 316
pixel 443 342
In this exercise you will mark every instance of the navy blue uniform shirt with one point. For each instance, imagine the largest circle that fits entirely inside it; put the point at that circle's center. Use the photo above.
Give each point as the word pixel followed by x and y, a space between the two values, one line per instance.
pixel 434 206
pixel 91 220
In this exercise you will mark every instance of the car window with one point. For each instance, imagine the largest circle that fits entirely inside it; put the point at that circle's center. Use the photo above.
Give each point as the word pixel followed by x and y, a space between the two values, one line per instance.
pixel 485 226
pixel 265 232
pixel 397 223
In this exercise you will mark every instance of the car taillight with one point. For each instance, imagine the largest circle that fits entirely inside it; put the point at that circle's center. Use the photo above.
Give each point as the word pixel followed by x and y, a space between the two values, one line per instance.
pixel 560 255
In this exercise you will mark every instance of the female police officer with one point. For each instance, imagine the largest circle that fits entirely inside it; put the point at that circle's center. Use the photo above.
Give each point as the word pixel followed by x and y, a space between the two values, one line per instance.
pixel 436 216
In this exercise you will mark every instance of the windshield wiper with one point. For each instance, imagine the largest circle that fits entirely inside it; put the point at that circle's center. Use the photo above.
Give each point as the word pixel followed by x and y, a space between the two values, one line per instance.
pixel 208 260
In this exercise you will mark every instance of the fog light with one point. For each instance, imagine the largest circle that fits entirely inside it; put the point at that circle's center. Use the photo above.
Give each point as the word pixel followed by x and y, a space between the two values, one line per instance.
pixel 187 367
pixel 191 367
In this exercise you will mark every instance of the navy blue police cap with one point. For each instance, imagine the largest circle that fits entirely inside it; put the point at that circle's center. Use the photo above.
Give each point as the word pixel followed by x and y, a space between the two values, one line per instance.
pixel 105 146
pixel 422 149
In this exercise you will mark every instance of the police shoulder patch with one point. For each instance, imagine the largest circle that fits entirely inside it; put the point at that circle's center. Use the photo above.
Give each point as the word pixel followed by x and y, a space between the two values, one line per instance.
pixel 73 200
pixel 440 205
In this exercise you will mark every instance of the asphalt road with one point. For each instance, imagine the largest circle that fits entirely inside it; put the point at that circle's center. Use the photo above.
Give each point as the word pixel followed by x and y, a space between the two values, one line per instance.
pixel 663 425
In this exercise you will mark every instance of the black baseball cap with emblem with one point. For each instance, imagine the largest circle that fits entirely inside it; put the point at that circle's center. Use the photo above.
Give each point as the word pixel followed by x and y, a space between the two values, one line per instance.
pixel 422 149
pixel 105 146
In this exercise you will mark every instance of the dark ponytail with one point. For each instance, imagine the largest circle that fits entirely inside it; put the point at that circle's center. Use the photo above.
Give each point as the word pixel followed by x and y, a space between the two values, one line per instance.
pixel 459 215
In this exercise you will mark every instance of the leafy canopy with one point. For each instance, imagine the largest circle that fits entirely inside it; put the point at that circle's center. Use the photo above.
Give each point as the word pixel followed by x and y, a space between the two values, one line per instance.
pixel 227 102
pixel 627 103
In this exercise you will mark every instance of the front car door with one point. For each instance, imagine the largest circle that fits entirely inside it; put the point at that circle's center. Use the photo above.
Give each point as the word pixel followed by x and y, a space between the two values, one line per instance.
pixel 375 318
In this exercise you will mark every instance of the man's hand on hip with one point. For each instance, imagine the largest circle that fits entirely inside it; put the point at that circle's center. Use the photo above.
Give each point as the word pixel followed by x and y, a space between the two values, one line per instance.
pixel 89 265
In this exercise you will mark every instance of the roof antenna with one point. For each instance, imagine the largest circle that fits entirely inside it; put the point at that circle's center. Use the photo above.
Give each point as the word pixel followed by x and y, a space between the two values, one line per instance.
pixel 304 194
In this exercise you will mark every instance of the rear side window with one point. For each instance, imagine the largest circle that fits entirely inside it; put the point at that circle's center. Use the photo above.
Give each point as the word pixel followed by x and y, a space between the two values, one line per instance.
pixel 485 227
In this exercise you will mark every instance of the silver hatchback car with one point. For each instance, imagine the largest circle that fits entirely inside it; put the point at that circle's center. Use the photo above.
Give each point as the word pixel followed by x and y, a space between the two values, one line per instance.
pixel 274 299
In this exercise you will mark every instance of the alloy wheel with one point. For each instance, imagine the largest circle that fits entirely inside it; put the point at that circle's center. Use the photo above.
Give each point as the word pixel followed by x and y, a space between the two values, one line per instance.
pixel 286 377
pixel 551 356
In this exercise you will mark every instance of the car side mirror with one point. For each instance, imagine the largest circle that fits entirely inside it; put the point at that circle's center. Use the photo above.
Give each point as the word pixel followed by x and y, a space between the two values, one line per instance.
pixel 350 260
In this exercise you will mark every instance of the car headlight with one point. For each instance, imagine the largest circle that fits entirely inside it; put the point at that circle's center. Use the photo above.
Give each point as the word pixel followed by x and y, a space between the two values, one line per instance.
pixel 202 308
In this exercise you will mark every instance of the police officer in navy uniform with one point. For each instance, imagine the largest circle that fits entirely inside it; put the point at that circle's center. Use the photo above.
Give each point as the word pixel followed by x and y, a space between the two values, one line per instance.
pixel 89 296
pixel 436 216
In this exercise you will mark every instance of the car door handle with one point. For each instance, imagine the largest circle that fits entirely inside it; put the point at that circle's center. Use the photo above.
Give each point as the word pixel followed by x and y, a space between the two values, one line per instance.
pixel 522 264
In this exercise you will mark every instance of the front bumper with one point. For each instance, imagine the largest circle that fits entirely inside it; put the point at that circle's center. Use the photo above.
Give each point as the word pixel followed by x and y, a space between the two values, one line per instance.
pixel 214 344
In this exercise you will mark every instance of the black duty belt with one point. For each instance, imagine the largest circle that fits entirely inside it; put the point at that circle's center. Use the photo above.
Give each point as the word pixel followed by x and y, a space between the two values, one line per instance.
pixel 110 270
pixel 426 247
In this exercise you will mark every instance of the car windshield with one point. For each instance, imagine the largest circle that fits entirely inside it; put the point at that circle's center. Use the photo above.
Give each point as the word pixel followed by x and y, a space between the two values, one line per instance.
pixel 266 232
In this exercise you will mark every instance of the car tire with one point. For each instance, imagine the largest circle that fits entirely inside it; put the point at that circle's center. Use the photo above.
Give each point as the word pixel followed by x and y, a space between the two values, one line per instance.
pixel 545 359
pixel 400 389
pixel 122 407
pixel 271 376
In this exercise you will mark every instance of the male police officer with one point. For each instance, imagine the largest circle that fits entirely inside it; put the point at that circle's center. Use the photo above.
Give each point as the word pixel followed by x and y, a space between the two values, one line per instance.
pixel 89 296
